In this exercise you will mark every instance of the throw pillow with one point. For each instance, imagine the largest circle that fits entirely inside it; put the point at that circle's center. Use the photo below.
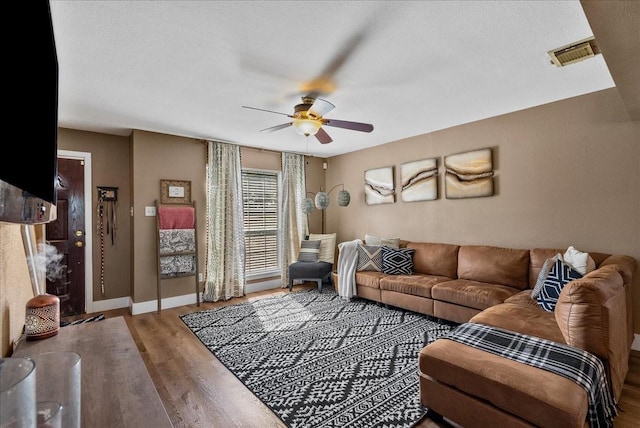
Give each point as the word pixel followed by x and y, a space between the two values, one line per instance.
pixel 542 276
pixel 559 275
pixel 369 258
pixel 580 261
pixel 397 261
pixel 309 251
pixel 376 240
pixel 327 245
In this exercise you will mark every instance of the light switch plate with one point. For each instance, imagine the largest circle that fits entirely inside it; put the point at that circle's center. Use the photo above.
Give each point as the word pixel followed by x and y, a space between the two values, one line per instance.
pixel 150 211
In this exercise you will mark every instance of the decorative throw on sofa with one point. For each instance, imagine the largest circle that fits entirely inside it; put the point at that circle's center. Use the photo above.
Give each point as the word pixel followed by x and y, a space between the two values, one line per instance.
pixel 570 362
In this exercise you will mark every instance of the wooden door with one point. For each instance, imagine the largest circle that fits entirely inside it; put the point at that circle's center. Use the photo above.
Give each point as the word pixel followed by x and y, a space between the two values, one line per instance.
pixel 67 234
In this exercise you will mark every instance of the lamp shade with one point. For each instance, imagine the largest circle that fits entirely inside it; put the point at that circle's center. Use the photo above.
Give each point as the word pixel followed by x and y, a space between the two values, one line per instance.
pixel 322 200
pixel 307 205
pixel 344 198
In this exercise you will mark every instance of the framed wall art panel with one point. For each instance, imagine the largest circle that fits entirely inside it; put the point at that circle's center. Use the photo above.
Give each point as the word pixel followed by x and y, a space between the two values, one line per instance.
pixel 469 174
pixel 379 186
pixel 175 192
pixel 419 180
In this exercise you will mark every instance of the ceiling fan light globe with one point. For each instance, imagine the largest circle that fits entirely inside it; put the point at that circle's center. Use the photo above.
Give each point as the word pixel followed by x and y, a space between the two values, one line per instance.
pixel 306 127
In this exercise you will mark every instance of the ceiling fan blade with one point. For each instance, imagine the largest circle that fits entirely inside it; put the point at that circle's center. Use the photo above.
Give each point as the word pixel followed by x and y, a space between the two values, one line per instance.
pixel 268 111
pixel 320 107
pixel 355 126
pixel 277 127
pixel 323 137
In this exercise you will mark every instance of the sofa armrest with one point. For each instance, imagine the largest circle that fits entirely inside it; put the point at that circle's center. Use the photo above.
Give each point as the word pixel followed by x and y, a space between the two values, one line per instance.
pixel 592 315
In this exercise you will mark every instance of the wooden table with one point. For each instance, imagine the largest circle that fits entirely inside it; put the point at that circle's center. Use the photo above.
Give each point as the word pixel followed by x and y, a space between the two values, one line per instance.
pixel 116 388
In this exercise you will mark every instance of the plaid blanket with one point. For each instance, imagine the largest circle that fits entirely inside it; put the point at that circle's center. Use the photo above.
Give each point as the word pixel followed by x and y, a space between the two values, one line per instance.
pixel 575 364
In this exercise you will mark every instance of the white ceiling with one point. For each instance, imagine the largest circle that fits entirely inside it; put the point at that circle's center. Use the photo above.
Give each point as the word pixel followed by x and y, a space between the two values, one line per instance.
pixel 408 67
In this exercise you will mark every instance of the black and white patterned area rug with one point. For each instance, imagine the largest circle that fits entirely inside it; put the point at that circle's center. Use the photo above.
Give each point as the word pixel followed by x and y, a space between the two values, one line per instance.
pixel 317 360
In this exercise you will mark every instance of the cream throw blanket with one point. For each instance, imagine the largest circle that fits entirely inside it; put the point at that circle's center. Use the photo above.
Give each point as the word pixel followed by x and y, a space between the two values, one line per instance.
pixel 347 263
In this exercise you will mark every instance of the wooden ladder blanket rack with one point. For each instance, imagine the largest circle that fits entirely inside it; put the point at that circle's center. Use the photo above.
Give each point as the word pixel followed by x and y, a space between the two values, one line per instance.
pixel 177 244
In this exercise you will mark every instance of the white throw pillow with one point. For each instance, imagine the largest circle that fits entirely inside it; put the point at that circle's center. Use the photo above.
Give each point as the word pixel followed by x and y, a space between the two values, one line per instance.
pixel 327 246
pixel 376 240
pixel 578 260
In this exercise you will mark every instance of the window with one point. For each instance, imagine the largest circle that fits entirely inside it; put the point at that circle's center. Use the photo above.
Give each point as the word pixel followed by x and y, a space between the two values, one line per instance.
pixel 260 199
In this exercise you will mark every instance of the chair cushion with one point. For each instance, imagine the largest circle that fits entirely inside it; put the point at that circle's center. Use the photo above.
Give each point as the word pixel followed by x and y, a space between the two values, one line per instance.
pixel 309 270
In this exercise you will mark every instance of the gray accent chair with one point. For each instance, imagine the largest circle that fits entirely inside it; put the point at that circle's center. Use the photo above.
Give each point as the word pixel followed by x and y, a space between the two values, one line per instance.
pixel 310 271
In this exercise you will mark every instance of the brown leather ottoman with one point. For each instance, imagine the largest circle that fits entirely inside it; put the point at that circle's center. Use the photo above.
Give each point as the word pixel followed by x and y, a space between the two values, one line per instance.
pixel 482 389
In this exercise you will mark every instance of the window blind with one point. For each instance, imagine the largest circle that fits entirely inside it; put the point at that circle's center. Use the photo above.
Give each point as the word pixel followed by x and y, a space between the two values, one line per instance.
pixel 260 199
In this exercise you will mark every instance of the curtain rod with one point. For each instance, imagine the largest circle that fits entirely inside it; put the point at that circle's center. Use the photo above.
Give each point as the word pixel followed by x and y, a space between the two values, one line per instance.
pixel 256 149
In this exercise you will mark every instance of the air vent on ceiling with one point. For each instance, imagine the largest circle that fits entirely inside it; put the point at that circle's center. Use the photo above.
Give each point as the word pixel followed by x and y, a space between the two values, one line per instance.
pixel 574 52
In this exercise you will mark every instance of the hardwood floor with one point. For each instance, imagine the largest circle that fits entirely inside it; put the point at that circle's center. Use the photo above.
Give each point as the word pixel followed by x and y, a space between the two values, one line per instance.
pixel 198 391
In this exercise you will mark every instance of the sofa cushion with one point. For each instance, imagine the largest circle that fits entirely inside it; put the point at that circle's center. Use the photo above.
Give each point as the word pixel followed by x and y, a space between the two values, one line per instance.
pixel 472 294
pixel 559 275
pixel 369 257
pixel 537 257
pixel 369 278
pixel 435 259
pixel 397 261
pixel 522 317
pixel 494 265
pixel 415 285
pixel 624 265
pixel 523 298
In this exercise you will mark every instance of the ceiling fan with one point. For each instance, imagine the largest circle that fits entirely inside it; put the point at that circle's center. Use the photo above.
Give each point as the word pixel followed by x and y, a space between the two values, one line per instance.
pixel 308 118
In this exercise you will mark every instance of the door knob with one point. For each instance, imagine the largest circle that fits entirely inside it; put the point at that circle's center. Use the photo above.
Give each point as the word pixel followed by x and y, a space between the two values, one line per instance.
pixel 78 244
pixel 79 233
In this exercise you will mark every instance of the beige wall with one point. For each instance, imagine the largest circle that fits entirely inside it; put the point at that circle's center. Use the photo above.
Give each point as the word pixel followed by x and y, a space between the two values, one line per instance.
pixel 110 168
pixel 158 157
pixel 567 173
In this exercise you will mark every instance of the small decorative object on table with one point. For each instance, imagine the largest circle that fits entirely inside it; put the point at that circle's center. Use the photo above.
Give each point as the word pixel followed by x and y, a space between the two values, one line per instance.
pixel 42 318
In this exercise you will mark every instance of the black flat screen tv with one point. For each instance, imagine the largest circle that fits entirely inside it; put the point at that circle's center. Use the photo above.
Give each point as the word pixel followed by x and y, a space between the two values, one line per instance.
pixel 29 158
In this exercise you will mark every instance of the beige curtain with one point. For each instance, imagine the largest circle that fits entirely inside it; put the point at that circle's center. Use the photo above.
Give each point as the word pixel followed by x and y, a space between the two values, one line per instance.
pixel 225 271
pixel 293 223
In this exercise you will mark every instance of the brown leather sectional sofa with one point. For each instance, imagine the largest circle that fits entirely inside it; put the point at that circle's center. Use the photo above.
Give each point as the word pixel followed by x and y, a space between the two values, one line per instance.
pixel 492 286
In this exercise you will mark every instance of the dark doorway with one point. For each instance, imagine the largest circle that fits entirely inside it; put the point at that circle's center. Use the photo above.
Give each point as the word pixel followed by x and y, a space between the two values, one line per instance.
pixel 67 234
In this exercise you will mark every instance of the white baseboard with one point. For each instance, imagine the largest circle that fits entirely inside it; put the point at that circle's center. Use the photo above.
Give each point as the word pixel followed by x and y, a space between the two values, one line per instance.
pixel 261 286
pixel 109 304
pixel 636 342
pixel 167 302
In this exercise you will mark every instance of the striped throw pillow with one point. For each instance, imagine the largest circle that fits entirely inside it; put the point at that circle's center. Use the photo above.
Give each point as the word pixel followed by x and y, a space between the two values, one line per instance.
pixel 309 251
